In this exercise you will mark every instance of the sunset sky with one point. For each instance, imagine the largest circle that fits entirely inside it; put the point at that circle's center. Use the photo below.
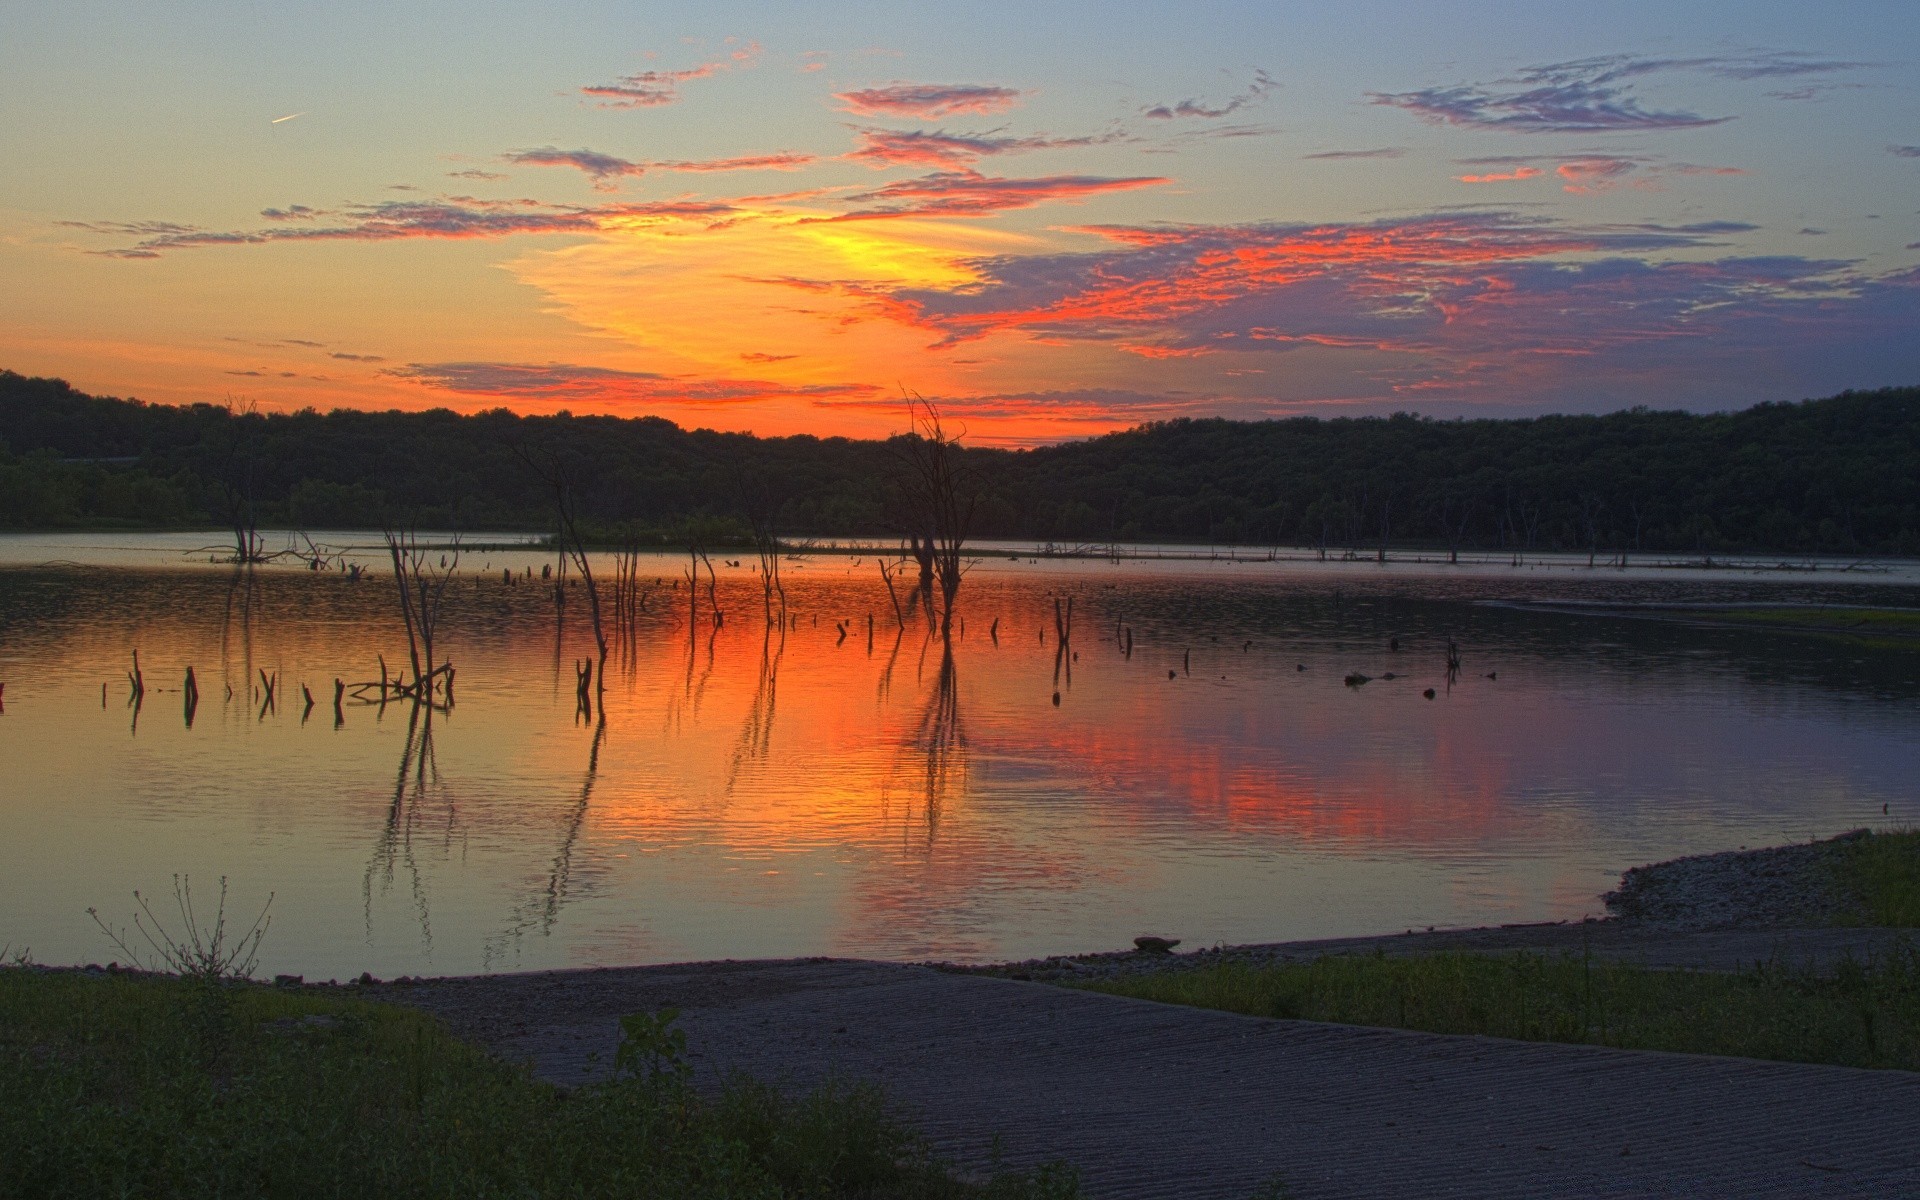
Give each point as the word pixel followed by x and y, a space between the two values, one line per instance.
pixel 1054 219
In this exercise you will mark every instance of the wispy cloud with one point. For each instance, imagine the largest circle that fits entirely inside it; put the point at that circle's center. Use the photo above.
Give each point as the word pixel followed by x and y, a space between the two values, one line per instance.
pixel 1592 95
pixel 1587 174
pixel 1261 86
pixel 929 101
pixel 970 194
pixel 650 89
pixel 604 169
pixel 1382 152
pixel 1904 151
pixel 359 358
pixel 454 217
pixel 939 149
pixel 477 174
pixel 785 160
pixel 566 383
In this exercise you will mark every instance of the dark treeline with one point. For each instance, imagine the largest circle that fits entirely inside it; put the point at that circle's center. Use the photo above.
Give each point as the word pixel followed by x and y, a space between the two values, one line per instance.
pixel 1839 475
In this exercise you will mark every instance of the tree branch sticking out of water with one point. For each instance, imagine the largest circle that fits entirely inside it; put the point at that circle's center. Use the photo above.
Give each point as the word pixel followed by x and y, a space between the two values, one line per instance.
pixel 421 587
pixel 941 495
pixel 196 952
pixel 558 477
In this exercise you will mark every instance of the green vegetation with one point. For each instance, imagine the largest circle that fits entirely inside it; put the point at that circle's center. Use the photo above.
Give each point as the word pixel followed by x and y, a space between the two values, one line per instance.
pixel 1883 872
pixel 1839 475
pixel 1862 1015
pixel 130 1085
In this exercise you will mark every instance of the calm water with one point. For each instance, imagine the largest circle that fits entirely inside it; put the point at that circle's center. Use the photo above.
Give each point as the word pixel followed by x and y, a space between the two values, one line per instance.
pixel 753 795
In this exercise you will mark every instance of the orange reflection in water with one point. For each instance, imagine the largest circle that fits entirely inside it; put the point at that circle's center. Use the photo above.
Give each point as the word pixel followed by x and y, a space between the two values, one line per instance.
pixel 746 790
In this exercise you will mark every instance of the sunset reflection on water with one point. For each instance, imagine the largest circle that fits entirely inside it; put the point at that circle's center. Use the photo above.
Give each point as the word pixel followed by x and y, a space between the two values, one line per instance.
pixel 746 791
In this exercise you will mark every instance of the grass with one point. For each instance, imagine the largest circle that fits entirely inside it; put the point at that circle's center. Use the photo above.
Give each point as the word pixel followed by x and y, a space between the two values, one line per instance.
pixel 132 1085
pixel 1882 872
pixel 1862 1015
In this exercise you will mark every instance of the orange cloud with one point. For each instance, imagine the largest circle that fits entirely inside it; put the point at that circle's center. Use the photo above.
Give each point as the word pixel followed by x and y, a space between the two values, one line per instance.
pixel 1518 173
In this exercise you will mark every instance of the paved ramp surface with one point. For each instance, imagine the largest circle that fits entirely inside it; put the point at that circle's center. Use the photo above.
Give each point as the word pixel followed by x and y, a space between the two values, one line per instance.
pixel 1154 1100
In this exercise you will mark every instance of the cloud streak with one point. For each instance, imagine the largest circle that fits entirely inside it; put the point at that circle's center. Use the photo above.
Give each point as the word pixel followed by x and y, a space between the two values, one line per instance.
pixel 938 149
pixel 606 388
pixel 929 101
pixel 449 218
pixel 1338 155
pixel 651 89
pixel 1592 95
pixel 966 193
pixel 1261 86
pixel 604 169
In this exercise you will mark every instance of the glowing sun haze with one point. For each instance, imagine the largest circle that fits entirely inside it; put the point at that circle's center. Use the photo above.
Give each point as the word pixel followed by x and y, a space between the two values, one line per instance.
pixel 1055 220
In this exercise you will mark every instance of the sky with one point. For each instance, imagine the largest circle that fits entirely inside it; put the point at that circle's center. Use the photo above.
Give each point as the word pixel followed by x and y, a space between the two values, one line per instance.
pixel 1052 220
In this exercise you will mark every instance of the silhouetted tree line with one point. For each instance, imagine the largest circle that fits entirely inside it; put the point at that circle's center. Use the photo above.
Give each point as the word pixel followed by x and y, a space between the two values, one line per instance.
pixel 1839 475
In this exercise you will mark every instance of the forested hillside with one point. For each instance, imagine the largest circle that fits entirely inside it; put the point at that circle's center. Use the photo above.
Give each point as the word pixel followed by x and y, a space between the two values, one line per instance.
pixel 1836 475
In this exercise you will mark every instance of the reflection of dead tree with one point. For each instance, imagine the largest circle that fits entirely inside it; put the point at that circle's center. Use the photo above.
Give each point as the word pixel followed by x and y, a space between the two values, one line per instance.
pixel 542 910
pixel 1062 643
pixel 941 741
pixel 940 502
pixel 885 686
pixel 756 734
pixel 419 770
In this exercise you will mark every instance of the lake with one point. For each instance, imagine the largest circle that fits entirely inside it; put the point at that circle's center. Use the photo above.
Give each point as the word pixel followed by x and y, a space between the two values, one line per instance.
pixel 744 792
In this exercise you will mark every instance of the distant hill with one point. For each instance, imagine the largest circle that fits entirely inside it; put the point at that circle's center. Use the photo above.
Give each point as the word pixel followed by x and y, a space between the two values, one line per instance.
pixel 1838 475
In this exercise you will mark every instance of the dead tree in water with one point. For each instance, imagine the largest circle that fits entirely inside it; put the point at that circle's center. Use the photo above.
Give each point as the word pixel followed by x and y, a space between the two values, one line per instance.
pixel 766 542
pixel 235 475
pixel 886 574
pixel 421 586
pixel 940 498
pixel 629 596
pixel 572 545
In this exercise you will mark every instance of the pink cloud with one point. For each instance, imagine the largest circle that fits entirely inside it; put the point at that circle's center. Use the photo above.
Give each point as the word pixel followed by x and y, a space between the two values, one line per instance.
pixel 1587 175
pixel 929 101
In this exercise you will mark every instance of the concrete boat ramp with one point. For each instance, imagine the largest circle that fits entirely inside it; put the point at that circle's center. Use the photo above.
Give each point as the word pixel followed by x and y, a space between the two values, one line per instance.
pixel 1152 1100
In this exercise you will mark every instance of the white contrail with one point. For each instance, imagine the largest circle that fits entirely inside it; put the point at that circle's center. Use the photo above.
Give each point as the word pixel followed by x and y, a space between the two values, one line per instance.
pixel 288 117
